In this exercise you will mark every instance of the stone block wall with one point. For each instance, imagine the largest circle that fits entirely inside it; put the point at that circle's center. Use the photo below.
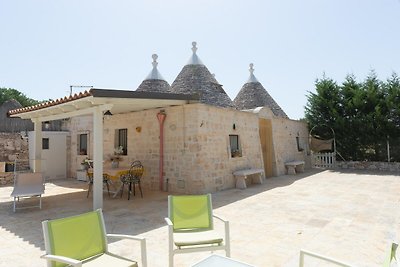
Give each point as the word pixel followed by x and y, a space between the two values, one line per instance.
pixel 197 155
pixel 284 138
pixel 12 146
pixel 284 133
pixel 207 147
pixel 369 165
pixel 76 126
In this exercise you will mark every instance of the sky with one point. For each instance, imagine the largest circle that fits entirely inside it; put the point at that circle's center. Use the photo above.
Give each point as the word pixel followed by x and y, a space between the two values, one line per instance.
pixel 46 46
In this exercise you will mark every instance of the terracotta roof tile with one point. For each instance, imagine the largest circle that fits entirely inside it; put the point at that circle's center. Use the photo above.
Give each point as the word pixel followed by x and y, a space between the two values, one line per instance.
pixel 51 103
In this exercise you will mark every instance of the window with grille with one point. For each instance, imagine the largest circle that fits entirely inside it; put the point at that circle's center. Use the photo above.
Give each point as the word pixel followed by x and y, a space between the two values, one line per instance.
pixel 235 146
pixel 122 140
pixel 45 143
pixel 83 144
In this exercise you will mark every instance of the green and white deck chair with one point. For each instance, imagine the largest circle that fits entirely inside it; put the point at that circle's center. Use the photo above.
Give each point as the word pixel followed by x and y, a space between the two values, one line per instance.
pixel 389 259
pixel 82 241
pixel 191 226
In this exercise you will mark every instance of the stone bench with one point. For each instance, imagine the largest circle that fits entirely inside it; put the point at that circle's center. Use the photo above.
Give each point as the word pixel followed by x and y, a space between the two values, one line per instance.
pixel 294 167
pixel 241 176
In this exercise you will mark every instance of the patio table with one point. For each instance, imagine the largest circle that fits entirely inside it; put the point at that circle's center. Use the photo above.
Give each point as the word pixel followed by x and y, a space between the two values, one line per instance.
pixel 114 174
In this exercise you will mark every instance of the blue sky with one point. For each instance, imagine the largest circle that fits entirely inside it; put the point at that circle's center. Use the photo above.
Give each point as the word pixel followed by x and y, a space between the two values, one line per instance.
pixel 46 46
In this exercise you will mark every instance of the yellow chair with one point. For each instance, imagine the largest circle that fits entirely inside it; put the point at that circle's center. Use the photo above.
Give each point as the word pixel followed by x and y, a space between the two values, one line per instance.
pixel 191 226
pixel 82 241
pixel 106 181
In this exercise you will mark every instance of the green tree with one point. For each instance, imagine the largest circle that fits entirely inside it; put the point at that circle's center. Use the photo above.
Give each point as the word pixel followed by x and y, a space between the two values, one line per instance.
pixel 363 115
pixel 323 107
pixel 9 93
pixel 392 103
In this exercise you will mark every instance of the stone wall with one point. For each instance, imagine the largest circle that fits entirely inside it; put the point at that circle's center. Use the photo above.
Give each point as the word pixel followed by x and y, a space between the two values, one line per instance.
pixel 76 126
pixel 369 165
pixel 285 132
pixel 208 148
pixel 12 145
pixel 284 135
pixel 197 156
pixel 196 145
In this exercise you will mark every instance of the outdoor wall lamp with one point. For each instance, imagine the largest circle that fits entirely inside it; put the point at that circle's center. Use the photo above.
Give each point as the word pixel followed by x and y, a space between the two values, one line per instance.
pixel 108 113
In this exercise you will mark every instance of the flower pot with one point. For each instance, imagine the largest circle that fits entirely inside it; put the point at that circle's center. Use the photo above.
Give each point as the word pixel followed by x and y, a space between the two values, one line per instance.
pixel 114 164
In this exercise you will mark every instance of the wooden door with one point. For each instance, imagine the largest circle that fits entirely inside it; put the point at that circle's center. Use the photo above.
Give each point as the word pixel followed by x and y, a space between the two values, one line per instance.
pixel 266 145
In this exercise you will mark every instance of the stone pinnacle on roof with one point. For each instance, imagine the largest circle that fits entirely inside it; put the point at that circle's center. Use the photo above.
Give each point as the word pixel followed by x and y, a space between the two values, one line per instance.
pixel 253 95
pixel 194 59
pixel 195 78
pixel 252 78
pixel 154 82
pixel 154 74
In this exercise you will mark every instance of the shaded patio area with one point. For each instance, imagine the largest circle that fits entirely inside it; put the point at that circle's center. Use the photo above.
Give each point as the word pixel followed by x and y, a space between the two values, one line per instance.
pixel 352 216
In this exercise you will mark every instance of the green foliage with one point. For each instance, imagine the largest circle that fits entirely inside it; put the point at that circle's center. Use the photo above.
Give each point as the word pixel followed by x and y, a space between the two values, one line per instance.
pixel 364 116
pixel 9 93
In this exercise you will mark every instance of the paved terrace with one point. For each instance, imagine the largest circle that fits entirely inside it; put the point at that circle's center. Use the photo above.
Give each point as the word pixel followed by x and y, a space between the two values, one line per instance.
pixel 349 216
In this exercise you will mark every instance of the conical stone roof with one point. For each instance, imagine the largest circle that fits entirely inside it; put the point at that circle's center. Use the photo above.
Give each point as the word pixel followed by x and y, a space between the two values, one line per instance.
pixel 154 82
pixel 253 95
pixel 195 78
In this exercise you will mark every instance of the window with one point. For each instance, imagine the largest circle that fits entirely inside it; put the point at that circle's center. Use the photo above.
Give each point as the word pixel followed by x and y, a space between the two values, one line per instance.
pixel 45 143
pixel 122 140
pixel 235 146
pixel 299 148
pixel 83 144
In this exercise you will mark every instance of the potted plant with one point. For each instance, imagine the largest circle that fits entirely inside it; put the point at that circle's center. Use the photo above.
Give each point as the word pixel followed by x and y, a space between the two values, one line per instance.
pixel 116 157
pixel 86 164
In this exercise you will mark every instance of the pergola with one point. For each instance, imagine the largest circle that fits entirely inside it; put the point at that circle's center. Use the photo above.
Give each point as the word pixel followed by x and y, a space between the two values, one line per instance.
pixel 96 102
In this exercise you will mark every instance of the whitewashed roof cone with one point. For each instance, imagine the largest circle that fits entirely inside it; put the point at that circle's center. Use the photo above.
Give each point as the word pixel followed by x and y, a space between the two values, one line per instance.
pixel 194 59
pixel 154 74
pixel 253 95
pixel 252 78
pixel 195 78
pixel 154 82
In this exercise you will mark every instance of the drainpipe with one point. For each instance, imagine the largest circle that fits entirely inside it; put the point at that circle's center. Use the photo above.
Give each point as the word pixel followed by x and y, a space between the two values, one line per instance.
pixel 161 118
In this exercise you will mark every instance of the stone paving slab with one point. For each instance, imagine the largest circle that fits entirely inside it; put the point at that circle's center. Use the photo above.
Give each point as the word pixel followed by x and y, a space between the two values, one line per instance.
pixel 351 216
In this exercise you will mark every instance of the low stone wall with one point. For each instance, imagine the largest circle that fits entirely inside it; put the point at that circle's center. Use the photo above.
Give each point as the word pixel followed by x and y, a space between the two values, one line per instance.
pixel 6 178
pixel 369 165
pixel 12 146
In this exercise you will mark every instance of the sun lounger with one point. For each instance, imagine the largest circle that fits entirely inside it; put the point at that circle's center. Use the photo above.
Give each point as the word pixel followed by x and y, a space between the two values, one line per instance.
pixel 28 185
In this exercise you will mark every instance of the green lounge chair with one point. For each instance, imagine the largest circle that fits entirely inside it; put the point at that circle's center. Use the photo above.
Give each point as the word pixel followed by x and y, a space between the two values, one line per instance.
pixel 191 227
pixel 388 260
pixel 82 241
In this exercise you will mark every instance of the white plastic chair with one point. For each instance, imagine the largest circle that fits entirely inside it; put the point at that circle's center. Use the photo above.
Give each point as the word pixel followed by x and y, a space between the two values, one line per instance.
pixel 28 185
